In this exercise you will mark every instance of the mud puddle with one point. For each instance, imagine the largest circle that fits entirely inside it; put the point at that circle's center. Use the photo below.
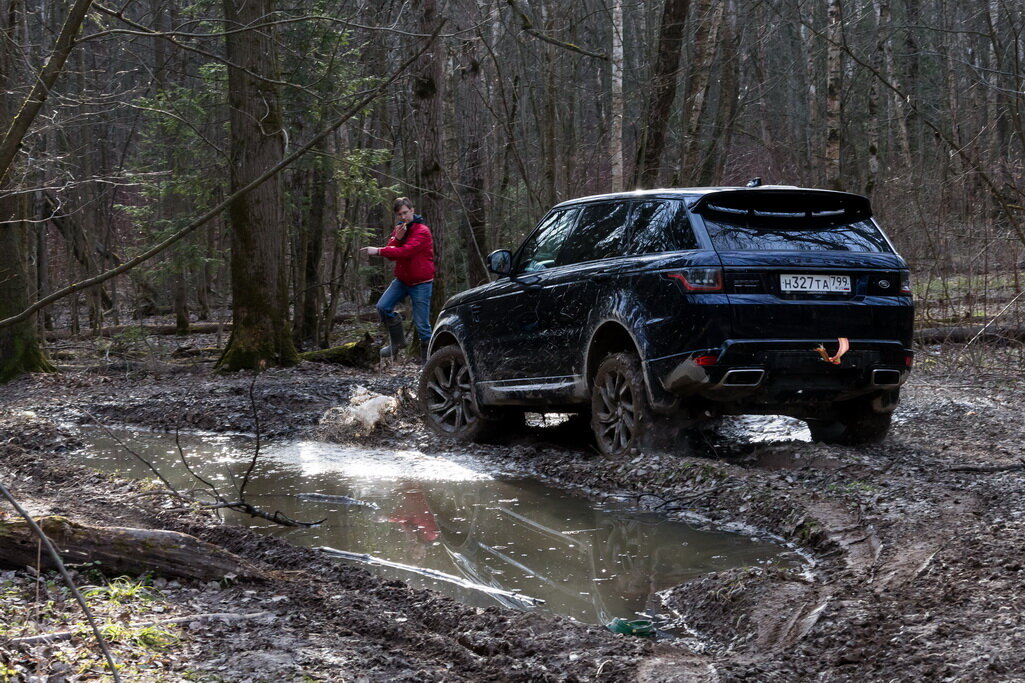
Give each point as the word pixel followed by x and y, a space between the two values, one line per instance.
pixel 447 524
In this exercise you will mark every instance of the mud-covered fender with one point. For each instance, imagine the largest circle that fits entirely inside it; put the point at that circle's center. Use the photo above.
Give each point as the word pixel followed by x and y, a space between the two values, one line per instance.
pixel 619 322
pixel 451 329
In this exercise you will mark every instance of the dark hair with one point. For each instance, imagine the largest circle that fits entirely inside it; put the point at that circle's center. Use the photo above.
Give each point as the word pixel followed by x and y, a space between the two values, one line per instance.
pixel 400 202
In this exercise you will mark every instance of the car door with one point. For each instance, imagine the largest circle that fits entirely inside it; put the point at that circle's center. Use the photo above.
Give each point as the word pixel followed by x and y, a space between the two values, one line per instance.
pixel 510 326
pixel 587 272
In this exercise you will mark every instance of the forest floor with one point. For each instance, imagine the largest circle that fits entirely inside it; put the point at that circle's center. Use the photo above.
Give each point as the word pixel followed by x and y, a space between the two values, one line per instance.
pixel 918 546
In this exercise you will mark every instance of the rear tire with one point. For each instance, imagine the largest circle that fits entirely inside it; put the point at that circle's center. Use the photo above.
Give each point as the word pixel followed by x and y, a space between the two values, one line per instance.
pixel 447 397
pixel 620 416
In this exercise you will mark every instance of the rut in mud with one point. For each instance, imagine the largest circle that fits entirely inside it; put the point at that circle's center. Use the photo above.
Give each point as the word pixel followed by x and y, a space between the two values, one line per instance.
pixel 916 541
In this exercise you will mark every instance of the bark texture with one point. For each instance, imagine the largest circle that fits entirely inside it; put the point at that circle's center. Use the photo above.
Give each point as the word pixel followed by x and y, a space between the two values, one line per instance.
pixel 120 550
pixel 261 332
pixel 661 94
pixel 19 346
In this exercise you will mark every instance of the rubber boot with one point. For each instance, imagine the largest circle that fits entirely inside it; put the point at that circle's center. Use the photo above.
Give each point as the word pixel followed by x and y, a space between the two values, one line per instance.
pixel 423 352
pixel 397 335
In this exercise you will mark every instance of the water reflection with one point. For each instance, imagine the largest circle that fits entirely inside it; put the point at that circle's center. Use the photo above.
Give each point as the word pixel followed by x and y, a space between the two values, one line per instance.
pixel 448 515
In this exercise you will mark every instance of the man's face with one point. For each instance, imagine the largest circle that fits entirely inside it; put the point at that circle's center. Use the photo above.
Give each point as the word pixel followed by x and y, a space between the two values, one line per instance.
pixel 404 214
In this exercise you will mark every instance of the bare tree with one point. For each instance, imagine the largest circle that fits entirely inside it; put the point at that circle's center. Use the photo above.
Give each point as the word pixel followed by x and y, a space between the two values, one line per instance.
pixel 661 93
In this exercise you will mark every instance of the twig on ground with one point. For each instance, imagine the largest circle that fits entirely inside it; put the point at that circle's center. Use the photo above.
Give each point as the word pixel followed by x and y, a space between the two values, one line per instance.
pixel 990 469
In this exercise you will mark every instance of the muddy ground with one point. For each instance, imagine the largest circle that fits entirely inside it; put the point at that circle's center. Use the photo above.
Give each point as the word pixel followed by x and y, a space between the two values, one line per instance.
pixel 918 545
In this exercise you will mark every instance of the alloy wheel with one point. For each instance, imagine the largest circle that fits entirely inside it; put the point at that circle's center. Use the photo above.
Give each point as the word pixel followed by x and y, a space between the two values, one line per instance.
pixel 616 412
pixel 449 401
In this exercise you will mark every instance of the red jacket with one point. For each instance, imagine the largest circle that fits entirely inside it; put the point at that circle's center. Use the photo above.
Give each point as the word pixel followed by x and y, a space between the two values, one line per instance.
pixel 413 255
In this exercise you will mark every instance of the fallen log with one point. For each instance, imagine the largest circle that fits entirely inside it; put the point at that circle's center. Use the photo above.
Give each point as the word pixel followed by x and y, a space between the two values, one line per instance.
pixel 994 334
pixel 357 354
pixel 120 550
pixel 194 328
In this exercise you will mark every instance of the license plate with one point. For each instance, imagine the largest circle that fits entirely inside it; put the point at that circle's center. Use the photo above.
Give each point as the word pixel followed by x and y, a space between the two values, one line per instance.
pixel 840 284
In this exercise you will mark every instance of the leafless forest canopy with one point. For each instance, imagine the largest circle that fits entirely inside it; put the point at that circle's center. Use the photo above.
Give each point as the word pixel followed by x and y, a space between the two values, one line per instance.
pixel 165 108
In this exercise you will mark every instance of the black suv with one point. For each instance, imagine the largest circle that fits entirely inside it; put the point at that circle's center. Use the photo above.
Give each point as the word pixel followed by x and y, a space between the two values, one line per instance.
pixel 663 308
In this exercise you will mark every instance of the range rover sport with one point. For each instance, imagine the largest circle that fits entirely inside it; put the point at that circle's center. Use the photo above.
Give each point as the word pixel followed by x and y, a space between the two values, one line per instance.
pixel 666 307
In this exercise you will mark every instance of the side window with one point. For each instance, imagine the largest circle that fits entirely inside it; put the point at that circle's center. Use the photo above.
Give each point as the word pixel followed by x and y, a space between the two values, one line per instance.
pixel 600 234
pixel 661 226
pixel 542 247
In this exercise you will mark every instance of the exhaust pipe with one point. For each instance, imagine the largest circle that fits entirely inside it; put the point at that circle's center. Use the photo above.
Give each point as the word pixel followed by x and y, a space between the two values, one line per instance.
pixel 886 378
pixel 743 378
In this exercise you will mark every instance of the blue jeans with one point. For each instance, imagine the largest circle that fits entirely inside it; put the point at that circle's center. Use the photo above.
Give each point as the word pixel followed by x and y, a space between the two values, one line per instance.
pixel 419 297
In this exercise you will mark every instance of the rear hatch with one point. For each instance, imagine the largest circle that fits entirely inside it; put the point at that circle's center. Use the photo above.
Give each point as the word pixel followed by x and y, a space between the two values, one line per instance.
pixel 806 264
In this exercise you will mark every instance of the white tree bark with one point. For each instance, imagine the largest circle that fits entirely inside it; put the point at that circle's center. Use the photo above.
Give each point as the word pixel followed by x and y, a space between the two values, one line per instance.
pixel 616 129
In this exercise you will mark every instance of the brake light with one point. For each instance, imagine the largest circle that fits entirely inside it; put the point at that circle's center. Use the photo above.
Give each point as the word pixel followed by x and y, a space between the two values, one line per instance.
pixel 706 360
pixel 699 279
pixel 909 359
pixel 905 283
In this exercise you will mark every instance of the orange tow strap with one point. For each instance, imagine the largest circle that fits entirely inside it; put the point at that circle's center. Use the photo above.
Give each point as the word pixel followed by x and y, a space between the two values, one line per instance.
pixel 844 347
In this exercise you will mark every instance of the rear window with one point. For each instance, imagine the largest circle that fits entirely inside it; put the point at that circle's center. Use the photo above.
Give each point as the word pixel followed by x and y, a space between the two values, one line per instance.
pixel 661 226
pixel 779 233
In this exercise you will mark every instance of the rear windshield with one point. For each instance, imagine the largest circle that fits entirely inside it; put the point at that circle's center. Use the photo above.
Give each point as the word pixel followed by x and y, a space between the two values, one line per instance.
pixel 751 233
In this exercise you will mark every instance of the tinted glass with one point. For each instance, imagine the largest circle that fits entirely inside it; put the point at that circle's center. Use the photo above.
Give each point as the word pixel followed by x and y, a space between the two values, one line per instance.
pixel 661 226
pixel 600 233
pixel 776 235
pixel 543 246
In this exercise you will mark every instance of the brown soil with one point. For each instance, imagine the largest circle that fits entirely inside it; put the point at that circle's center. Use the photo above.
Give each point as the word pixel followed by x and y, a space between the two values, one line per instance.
pixel 917 544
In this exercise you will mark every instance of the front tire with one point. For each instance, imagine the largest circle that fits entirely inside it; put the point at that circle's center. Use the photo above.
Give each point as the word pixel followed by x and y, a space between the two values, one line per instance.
pixel 620 416
pixel 447 397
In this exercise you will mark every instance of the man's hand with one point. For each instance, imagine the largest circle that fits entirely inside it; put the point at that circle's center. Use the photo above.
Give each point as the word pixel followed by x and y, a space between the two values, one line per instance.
pixel 369 251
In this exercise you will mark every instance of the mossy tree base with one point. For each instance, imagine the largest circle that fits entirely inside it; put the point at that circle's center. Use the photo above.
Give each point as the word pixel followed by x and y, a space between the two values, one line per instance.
pixel 357 354
pixel 247 349
pixel 26 356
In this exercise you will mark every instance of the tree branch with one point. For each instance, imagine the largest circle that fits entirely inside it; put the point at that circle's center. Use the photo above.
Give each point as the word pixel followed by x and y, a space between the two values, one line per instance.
pixel 41 88
pixel 528 25
pixel 215 211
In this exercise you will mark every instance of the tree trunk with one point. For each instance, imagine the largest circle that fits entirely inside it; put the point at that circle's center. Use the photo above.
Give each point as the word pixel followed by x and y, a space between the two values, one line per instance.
pixel 834 73
pixel 19 344
pixel 428 85
pixel 472 137
pixel 718 149
pixel 259 278
pixel 310 297
pixel 617 104
pixel 705 46
pixel 661 93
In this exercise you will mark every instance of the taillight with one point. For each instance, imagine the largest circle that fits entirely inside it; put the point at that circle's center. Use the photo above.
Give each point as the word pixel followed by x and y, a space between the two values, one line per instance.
pixel 706 360
pixel 909 359
pixel 905 283
pixel 699 279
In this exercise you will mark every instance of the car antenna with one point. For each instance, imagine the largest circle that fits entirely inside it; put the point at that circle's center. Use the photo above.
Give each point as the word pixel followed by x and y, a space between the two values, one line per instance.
pixel 754 182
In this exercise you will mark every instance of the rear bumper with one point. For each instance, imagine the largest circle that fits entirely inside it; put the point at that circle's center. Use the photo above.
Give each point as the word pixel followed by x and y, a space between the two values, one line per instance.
pixel 785 371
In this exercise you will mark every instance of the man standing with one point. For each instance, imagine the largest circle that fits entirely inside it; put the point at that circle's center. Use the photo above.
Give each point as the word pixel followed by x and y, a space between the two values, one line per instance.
pixel 411 247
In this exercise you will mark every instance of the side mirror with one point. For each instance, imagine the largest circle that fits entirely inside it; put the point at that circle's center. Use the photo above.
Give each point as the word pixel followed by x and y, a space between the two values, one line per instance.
pixel 500 262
